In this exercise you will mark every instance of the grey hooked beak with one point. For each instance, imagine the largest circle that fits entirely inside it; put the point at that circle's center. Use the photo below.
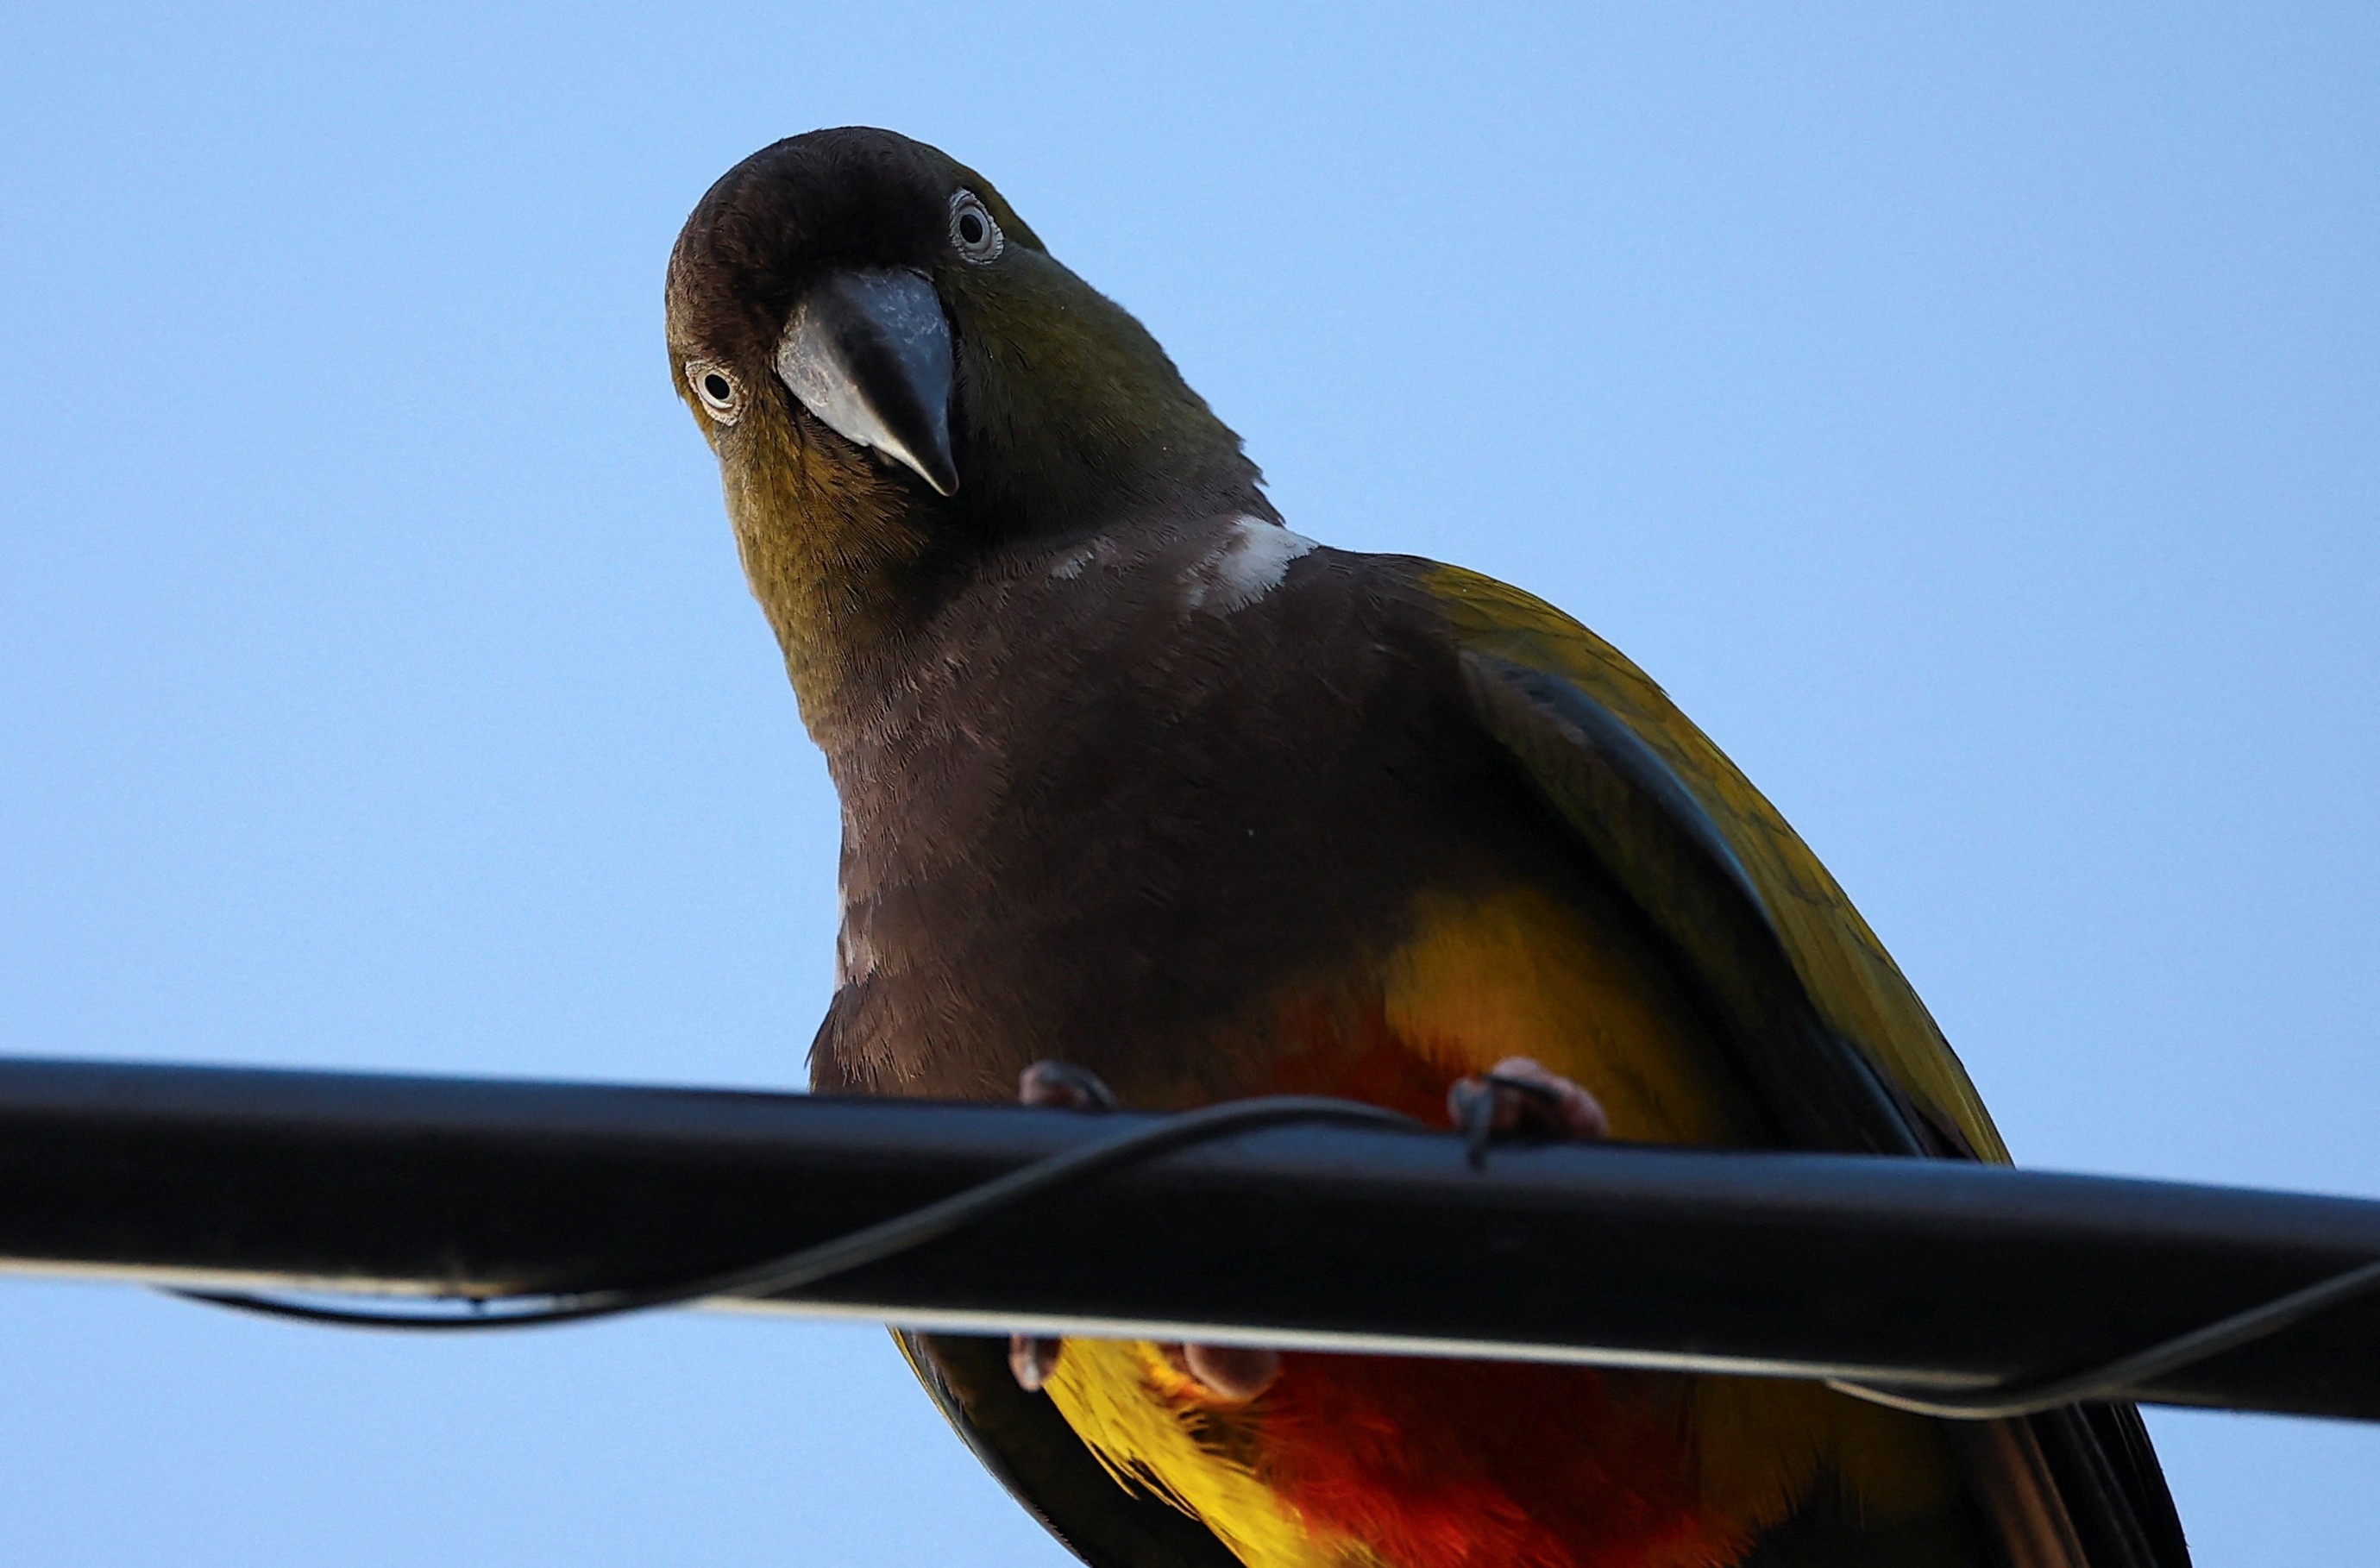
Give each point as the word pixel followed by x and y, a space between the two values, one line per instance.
pixel 869 353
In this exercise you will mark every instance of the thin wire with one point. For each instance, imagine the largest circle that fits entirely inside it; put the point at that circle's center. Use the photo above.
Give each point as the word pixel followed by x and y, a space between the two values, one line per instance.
pixel 2121 1379
pixel 870 1244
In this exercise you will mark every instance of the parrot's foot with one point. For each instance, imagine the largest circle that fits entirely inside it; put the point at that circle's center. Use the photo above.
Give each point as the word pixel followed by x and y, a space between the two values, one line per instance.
pixel 1232 1374
pixel 1518 1099
pixel 1033 1360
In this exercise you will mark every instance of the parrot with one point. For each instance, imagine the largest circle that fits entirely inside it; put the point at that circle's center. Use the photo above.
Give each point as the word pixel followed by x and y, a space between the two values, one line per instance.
pixel 1147 799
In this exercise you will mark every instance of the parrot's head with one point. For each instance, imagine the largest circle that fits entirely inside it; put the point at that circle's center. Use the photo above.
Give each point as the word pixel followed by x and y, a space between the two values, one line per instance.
pixel 898 380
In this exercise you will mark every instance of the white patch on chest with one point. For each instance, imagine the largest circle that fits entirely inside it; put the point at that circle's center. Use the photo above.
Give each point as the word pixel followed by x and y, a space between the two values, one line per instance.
pixel 1248 563
pixel 854 956
pixel 1070 565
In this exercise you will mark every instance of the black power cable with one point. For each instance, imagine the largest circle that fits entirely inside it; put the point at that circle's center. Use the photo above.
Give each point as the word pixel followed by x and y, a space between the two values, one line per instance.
pixel 2115 1379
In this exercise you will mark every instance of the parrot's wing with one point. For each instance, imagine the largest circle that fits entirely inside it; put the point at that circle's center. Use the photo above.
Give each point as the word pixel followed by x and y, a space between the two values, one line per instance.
pixel 1029 1448
pixel 1832 1037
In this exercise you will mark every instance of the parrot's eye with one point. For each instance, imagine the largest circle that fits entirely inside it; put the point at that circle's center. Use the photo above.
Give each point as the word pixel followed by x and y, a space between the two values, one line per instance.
pixel 972 229
pixel 716 388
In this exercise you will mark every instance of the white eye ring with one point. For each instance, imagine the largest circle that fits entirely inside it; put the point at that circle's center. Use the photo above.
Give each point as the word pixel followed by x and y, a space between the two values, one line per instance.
pixel 717 389
pixel 975 233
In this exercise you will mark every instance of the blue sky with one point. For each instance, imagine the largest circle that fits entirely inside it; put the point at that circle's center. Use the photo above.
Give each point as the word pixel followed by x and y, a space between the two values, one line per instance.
pixel 1971 421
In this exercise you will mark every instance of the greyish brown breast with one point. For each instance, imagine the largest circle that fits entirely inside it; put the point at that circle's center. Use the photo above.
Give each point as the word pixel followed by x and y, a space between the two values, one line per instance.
pixel 1129 785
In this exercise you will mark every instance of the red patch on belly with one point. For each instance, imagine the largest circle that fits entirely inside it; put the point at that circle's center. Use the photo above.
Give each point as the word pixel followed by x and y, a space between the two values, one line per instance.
pixel 1438 1464
pixel 1489 1465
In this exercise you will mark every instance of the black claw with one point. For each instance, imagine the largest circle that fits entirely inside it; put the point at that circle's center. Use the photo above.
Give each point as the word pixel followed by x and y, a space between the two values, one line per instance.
pixel 1473 1101
pixel 1543 1093
pixel 1064 1085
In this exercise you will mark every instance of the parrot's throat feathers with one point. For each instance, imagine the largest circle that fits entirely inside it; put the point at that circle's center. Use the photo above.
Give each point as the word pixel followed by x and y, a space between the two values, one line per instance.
pixel 831 548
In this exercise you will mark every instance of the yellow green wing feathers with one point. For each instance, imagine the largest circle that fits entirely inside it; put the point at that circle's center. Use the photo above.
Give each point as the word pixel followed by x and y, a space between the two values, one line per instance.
pixel 1849 980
